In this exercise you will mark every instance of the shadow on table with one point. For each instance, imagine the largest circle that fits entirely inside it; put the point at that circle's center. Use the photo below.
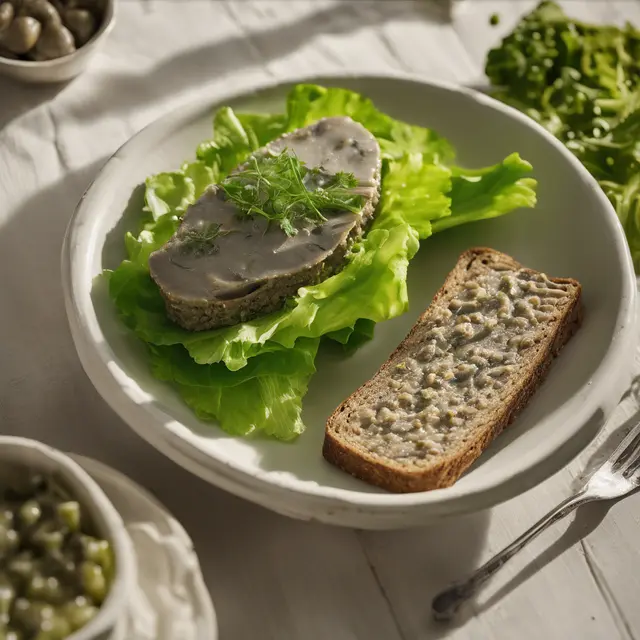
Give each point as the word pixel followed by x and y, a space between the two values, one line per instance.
pixel 586 520
pixel 198 66
pixel 18 98
pixel 412 566
pixel 37 353
pixel 308 580
pixel 122 93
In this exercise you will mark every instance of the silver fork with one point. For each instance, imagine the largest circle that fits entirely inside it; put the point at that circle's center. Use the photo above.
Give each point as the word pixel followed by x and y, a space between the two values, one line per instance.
pixel 617 477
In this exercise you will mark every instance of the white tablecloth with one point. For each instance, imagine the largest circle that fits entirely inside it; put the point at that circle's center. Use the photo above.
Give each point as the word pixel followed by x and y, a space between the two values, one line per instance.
pixel 271 577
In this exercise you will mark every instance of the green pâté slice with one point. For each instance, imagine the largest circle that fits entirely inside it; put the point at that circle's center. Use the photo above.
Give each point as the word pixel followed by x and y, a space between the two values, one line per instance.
pixel 282 220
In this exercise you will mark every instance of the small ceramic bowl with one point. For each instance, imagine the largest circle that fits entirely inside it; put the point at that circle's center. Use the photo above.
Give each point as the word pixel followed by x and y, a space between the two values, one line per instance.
pixel 67 67
pixel 43 459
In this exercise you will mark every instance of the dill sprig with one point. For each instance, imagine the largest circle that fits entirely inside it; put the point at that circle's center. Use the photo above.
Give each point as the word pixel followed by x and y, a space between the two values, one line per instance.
pixel 201 240
pixel 285 191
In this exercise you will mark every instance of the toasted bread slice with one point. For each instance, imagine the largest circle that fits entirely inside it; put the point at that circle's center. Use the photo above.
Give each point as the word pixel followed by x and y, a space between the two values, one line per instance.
pixel 467 367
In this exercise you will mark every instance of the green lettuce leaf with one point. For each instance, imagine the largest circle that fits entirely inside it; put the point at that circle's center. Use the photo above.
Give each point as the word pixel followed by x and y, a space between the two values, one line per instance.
pixel 169 193
pixel 372 286
pixel 266 395
pixel 235 136
pixel 307 103
pixel 488 193
pixel 414 193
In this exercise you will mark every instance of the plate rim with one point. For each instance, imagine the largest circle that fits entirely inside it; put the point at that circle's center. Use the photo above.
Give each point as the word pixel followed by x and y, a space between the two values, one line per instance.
pixel 330 504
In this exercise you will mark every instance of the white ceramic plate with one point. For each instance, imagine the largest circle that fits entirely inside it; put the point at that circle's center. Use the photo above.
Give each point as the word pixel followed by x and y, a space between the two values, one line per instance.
pixel 573 232
pixel 171 600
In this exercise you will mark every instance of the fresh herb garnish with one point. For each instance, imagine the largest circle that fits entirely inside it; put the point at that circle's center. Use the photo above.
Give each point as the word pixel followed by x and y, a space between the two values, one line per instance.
pixel 581 82
pixel 200 240
pixel 284 190
pixel 494 19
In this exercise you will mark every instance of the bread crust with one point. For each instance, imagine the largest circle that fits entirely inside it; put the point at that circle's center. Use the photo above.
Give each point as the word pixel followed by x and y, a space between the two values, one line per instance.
pixel 450 466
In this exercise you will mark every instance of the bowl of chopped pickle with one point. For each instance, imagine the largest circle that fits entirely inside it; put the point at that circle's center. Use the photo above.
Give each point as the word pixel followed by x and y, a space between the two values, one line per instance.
pixel 66 562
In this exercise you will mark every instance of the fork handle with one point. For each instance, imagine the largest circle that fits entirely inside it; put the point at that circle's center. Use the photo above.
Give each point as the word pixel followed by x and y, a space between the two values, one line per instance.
pixel 446 603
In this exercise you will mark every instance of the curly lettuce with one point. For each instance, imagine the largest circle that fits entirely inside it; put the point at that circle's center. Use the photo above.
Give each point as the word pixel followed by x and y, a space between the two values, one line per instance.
pixel 582 83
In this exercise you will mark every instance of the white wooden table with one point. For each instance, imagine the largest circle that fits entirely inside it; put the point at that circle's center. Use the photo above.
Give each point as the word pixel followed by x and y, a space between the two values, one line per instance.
pixel 271 577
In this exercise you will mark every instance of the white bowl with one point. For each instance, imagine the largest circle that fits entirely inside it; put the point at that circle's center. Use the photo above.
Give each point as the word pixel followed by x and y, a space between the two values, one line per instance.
pixel 171 594
pixel 44 459
pixel 574 232
pixel 67 67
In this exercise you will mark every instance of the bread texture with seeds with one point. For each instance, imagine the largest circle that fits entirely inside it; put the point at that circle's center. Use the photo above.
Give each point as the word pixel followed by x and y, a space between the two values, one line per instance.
pixel 470 363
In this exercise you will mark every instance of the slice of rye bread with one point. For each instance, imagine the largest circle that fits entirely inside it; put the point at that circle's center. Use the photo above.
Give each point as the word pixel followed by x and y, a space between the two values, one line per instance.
pixel 349 445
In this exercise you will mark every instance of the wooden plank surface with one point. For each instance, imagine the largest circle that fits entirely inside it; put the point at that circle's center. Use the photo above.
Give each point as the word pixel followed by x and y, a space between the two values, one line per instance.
pixel 271 577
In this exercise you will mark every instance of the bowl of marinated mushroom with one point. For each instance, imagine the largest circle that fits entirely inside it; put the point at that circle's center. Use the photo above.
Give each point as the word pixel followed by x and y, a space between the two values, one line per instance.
pixel 51 40
pixel 67 566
